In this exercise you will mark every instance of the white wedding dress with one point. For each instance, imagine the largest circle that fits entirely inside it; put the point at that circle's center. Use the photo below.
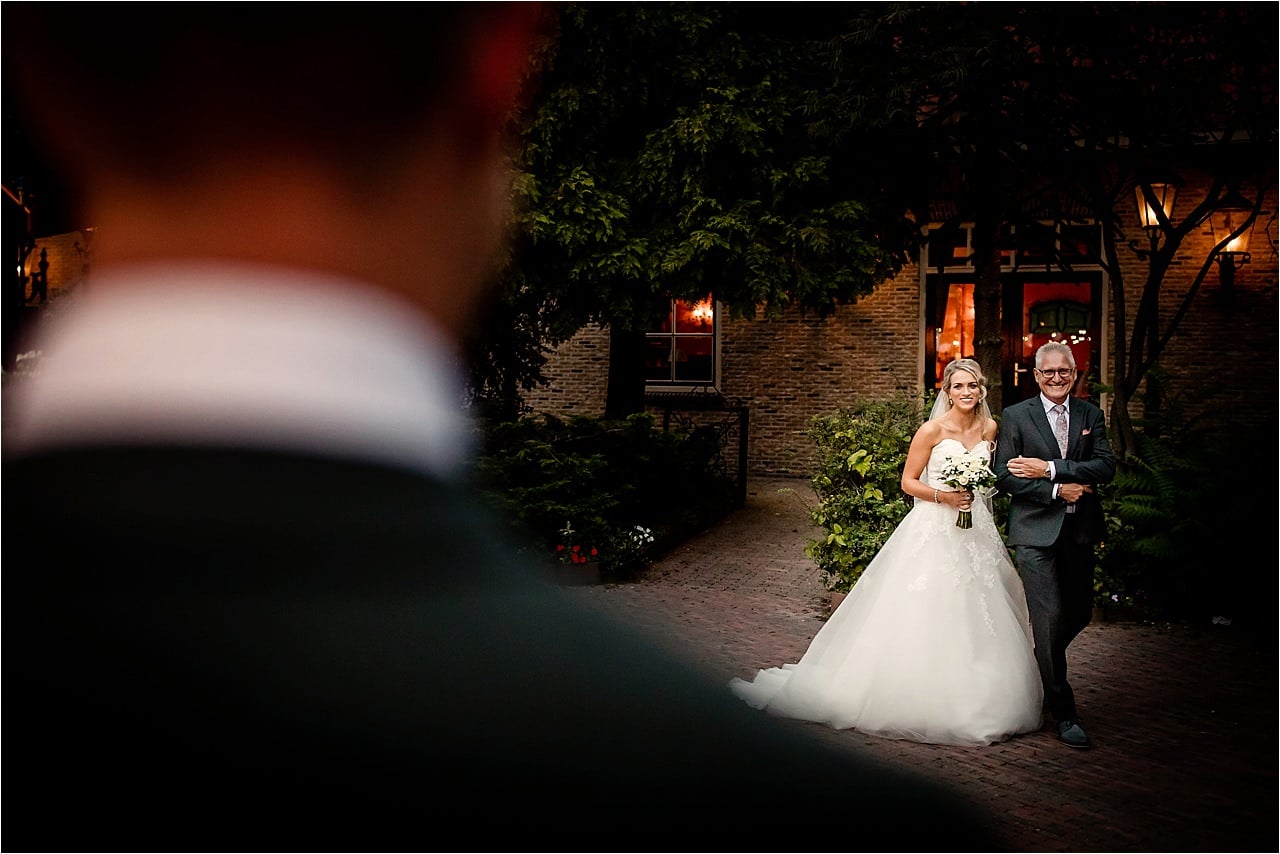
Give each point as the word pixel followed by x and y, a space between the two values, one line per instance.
pixel 932 644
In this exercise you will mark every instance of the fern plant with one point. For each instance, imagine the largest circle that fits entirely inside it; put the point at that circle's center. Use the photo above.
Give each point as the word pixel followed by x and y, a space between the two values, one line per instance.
pixel 1165 512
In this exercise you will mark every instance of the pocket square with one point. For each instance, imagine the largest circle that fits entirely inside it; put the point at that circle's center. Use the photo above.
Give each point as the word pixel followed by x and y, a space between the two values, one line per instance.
pixel 1084 432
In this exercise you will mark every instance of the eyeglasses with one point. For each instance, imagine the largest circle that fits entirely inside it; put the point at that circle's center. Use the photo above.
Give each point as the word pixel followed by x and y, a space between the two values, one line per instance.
pixel 1062 372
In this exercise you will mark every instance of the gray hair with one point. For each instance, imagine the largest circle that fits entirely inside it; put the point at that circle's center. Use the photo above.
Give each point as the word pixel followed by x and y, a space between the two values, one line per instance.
pixel 1054 347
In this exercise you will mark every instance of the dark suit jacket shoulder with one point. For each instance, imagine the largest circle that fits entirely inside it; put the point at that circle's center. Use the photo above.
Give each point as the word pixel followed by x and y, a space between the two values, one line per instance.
pixel 227 650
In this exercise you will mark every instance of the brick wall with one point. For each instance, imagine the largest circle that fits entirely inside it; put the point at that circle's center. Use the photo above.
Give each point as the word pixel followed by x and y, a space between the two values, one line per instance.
pixel 66 265
pixel 1223 359
pixel 789 370
pixel 786 371
pixel 580 368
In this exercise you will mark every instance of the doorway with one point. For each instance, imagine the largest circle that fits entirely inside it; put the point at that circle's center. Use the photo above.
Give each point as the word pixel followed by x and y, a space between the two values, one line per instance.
pixel 1041 308
pixel 1037 307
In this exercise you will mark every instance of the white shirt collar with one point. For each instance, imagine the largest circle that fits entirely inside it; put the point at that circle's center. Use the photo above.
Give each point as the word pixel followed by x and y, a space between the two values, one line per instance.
pixel 251 356
pixel 1049 405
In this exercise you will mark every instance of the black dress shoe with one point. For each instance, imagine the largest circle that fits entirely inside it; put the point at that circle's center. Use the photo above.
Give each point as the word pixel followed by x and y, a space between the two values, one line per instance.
pixel 1072 734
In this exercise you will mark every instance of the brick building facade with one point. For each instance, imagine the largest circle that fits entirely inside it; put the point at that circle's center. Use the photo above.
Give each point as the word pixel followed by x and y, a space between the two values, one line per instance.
pixel 1221 363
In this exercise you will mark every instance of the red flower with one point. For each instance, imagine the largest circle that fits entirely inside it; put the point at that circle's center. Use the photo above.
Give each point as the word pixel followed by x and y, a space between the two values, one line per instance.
pixel 576 554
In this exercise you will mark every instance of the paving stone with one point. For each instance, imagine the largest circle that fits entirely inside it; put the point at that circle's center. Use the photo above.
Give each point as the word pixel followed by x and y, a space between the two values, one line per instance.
pixel 1183 718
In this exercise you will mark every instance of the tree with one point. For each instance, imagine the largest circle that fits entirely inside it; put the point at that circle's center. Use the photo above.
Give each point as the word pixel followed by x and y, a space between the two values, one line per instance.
pixel 669 152
pixel 1017 113
pixel 961 112
pixel 1186 84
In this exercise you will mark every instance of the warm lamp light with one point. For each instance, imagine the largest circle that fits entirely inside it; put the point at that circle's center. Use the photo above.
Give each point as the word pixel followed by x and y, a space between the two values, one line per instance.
pixel 1232 214
pixel 1148 215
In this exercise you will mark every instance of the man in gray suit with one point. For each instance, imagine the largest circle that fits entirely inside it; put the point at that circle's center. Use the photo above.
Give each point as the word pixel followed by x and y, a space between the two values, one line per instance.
pixel 1051 455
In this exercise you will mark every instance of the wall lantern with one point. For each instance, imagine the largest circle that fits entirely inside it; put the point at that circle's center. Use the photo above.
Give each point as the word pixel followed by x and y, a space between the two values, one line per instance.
pixel 1163 193
pixel 1232 214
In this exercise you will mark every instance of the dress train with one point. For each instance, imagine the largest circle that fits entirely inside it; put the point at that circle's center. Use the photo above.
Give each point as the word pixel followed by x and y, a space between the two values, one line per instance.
pixel 932 644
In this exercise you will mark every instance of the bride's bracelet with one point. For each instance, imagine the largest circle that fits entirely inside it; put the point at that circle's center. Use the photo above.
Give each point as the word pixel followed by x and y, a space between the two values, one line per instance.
pixel 935 497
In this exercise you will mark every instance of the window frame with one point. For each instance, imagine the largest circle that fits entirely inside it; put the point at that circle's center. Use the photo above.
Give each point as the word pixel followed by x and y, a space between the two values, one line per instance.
pixel 1012 256
pixel 674 385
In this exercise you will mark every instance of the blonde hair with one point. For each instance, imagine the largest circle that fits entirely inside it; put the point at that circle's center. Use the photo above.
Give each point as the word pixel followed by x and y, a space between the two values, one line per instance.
pixel 943 402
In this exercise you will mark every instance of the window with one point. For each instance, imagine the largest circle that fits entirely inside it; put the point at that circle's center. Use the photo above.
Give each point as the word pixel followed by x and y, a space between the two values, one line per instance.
pixel 682 351
pixel 1036 307
pixel 1059 319
pixel 953 336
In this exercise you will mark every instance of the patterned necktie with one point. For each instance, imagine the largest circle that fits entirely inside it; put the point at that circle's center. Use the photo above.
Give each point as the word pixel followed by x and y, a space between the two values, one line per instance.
pixel 1060 427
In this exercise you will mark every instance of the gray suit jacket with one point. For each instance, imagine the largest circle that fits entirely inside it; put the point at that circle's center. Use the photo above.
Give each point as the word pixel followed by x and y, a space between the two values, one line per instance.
pixel 1035 516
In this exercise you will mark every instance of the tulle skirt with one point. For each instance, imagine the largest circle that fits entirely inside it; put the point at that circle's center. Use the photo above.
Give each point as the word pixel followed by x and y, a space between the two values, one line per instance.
pixel 932 644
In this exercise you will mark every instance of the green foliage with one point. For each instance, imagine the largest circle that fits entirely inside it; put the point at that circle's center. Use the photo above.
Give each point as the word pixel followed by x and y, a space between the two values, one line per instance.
pixel 668 151
pixel 999 104
pixel 621 487
pixel 769 153
pixel 862 449
pixel 1143 528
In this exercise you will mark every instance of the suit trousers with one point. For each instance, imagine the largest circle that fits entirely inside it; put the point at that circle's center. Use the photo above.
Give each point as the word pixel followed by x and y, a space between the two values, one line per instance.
pixel 1059 587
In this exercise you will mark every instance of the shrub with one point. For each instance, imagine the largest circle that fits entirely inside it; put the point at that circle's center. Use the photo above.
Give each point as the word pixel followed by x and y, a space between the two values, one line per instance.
pixel 622 488
pixel 857 480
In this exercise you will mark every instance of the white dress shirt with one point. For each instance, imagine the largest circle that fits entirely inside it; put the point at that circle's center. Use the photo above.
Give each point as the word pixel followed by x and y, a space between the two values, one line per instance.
pixel 247 356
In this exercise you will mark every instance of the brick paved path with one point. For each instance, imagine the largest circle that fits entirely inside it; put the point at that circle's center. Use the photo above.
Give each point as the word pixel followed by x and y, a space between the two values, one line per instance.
pixel 1183 718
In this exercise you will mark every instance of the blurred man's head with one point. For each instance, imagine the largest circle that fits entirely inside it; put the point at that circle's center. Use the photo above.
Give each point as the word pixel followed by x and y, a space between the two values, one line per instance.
pixel 363 138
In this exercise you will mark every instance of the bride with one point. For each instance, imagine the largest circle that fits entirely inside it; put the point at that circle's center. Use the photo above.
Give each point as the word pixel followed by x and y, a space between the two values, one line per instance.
pixel 933 643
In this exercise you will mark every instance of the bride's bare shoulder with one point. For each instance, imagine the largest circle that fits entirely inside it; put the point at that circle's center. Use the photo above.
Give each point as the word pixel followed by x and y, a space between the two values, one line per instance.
pixel 930 429
pixel 927 434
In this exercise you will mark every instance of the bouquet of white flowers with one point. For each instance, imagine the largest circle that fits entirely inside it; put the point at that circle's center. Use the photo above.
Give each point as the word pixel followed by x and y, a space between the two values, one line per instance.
pixel 967 471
